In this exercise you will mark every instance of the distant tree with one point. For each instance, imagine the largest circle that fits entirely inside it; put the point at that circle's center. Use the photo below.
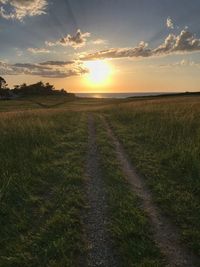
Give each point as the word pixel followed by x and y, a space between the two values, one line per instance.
pixel 16 87
pixel 4 90
pixel 37 89
pixel 24 85
pixel 49 87
pixel 3 83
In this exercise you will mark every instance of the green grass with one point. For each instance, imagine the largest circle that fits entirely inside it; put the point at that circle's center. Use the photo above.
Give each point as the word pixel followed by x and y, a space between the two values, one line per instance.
pixel 128 225
pixel 55 102
pixel 162 139
pixel 42 152
pixel 36 102
pixel 41 188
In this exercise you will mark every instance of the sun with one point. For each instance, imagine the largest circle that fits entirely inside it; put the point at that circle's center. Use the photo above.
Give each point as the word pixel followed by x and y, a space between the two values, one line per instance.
pixel 99 72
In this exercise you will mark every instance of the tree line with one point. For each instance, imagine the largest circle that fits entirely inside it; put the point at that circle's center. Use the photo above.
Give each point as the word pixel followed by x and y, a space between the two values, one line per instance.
pixel 24 90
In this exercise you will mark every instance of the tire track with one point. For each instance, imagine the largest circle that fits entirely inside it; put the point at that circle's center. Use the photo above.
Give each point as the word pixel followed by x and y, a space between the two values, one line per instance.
pixel 166 235
pixel 99 246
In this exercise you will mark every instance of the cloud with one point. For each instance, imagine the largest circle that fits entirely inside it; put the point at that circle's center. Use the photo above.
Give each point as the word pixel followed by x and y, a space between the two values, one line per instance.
pixel 182 63
pixel 5 69
pixel 57 63
pixel 99 42
pixel 49 69
pixel 47 43
pixel 76 41
pixel 29 66
pixel 38 50
pixel 185 42
pixel 19 9
pixel 19 52
pixel 170 23
pixel 141 50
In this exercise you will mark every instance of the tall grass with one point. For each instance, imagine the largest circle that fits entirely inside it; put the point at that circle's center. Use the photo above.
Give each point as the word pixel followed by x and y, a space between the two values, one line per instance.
pixel 127 222
pixel 42 175
pixel 162 139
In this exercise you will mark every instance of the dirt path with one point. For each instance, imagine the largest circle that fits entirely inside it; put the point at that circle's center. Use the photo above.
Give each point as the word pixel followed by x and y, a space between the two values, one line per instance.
pixel 165 234
pixel 99 251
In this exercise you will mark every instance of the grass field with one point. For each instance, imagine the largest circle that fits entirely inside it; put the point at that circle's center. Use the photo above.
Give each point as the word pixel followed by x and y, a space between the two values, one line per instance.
pixel 41 188
pixel 55 102
pixel 43 153
pixel 162 139
pixel 128 224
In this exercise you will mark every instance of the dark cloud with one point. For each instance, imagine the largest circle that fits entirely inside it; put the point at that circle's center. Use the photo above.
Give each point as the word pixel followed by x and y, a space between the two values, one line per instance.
pixel 53 69
pixel 29 66
pixel 57 63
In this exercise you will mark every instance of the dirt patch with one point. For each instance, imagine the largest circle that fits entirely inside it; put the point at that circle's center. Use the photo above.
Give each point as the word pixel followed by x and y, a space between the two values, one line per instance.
pixel 166 235
pixel 100 252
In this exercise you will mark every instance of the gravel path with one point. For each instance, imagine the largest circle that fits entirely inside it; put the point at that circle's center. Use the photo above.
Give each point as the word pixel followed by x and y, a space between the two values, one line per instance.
pixel 99 250
pixel 166 235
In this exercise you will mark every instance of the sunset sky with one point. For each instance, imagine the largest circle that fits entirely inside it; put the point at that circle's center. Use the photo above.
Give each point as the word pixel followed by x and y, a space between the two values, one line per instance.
pixel 102 45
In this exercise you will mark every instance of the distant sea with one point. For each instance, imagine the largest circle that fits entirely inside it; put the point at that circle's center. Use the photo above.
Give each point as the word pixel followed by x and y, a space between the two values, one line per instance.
pixel 117 95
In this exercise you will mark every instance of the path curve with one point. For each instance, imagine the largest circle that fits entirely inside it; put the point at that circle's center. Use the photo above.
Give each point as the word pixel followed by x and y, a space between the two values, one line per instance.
pixel 166 235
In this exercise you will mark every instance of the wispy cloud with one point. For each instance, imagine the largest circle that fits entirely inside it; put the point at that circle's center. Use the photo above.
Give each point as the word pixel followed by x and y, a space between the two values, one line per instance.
pixel 182 63
pixel 19 9
pixel 76 41
pixel 57 63
pixel 19 52
pixel 49 69
pixel 170 23
pixel 38 50
pixel 99 42
pixel 185 42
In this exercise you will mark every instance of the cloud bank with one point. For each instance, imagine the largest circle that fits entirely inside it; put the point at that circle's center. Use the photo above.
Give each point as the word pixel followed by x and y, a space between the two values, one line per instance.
pixel 19 9
pixel 185 42
pixel 49 69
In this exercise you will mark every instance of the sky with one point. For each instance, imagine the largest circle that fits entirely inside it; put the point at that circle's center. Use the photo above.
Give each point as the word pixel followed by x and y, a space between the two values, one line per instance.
pixel 102 45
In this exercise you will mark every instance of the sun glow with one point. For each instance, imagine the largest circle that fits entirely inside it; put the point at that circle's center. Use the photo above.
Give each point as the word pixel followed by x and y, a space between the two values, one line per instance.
pixel 99 73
